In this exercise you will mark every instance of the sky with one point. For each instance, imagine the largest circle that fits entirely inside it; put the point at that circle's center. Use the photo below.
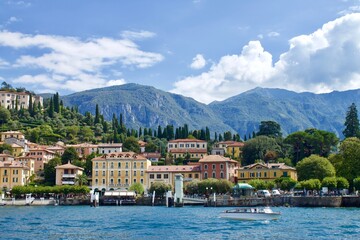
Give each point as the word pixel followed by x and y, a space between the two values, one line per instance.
pixel 209 50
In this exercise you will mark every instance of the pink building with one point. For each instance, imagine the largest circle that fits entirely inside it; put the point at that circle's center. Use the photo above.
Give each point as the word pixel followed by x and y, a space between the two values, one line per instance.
pixel 42 156
pixel 219 167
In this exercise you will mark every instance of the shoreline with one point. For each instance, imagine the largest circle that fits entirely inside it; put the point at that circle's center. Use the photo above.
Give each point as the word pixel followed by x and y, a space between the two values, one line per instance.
pixel 285 201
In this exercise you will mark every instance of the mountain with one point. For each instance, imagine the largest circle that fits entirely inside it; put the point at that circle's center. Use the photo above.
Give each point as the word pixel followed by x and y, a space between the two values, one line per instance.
pixel 147 106
pixel 293 111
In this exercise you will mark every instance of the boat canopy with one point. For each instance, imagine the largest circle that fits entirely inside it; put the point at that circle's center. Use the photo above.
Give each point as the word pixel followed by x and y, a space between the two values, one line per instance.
pixel 243 186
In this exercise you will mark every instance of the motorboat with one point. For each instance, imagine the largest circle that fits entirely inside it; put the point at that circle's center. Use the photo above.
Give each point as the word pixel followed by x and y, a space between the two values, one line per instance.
pixel 256 213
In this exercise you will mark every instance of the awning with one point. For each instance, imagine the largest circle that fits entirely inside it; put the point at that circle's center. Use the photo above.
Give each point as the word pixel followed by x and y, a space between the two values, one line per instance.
pixel 243 186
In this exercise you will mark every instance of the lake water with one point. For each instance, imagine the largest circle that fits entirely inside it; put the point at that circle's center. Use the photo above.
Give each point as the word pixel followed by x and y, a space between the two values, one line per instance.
pixel 141 222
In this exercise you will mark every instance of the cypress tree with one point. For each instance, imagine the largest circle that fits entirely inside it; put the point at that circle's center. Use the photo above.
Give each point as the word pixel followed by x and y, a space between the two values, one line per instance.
pixel 97 114
pixel 352 128
pixel 31 108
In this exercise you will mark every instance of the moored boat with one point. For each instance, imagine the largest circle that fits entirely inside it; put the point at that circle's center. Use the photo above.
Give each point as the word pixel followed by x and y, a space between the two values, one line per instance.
pixel 250 214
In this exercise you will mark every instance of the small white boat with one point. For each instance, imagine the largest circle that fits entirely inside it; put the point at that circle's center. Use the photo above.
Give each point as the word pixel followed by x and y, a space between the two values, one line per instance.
pixel 250 214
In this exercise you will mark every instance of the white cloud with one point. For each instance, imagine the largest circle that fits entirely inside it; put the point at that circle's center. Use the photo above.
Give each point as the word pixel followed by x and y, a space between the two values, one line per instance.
pixel 323 61
pixel 3 63
pixel 273 34
pixel 137 35
pixel 19 3
pixel 198 62
pixel 80 63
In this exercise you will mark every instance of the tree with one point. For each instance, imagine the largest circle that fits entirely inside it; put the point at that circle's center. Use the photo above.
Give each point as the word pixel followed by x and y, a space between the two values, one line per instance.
pixel 270 129
pixel 352 128
pixel 311 184
pixel 348 159
pixel 97 114
pixel 329 182
pixel 69 155
pixel 285 183
pixel 356 183
pixel 342 183
pixel 6 147
pixel 88 164
pixel 256 148
pixel 137 187
pixel 314 167
pixel 4 115
pixel 81 179
pixel 132 144
pixel 160 188
pixel 50 171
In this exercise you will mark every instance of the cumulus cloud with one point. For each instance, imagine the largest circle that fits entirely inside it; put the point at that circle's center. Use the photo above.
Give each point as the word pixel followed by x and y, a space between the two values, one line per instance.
pixel 198 62
pixel 75 62
pixel 323 61
pixel 3 63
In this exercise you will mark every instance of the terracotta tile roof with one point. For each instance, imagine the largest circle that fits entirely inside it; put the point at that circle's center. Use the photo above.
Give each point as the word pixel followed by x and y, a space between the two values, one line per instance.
pixel 12 164
pixel 216 158
pixel 236 144
pixel 68 166
pixel 186 140
pixel 178 168
pixel 268 166
pixel 109 145
pixel 121 155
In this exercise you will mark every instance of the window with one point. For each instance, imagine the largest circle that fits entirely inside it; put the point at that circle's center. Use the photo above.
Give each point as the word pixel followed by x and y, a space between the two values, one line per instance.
pixel 221 166
pixel 119 181
pixel 134 180
pixel 126 181
pixel 196 175
pixel 213 175
pixel 111 173
pixel 265 174
pixel 151 176
pixel 158 176
pixel 142 165
pixel 222 175
pixel 205 175
pixel 96 181
pixel 119 164
pixel 103 181
pixel 142 181
pixel 119 173
pixel 111 181
pixel 142 173
pixel 103 165
pixel 134 164
pixel 192 145
pixel 112 165
pixel 242 175
pixel 126 173
pixel 181 145
pixel 103 173
pixel 285 174
pixel 274 174
pixel 213 166
pixel 96 173
pixel 5 172
pixel 205 166
pixel 126 165
pixel 134 173
pixel 166 176
pixel 187 145
pixel 190 175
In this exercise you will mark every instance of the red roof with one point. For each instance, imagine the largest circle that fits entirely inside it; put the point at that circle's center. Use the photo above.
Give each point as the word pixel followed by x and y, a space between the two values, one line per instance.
pixel 186 140
pixel 216 158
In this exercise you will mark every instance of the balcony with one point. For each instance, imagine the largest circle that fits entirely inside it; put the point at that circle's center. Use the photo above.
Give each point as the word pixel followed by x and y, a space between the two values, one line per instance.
pixel 69 175
pixel 67 182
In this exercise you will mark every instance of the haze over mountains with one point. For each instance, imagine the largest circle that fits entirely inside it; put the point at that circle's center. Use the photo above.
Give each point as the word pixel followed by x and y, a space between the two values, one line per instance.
pixel 146 106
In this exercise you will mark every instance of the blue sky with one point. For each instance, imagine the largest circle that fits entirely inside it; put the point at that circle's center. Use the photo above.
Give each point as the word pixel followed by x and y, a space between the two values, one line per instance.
pixel 207 50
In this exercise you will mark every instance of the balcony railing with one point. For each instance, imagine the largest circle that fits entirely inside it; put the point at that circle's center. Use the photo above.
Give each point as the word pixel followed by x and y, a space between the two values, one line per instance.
pixel 68 182
pixel 69 175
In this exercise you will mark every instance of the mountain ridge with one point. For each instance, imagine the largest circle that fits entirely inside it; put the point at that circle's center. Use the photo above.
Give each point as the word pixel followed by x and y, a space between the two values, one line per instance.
pixel 146 106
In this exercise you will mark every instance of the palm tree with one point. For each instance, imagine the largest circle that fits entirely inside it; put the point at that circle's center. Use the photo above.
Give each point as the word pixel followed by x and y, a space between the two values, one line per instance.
pixel 81 179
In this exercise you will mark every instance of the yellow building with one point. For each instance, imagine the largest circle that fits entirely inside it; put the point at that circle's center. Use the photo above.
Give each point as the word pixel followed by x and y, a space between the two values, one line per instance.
pixel 167 174
pixel 266 172
pixel 13 173
pixel 18 150
pixel 119 170
pixel 29 162
pixel 12 134
pixel 234 149
pixel 66 174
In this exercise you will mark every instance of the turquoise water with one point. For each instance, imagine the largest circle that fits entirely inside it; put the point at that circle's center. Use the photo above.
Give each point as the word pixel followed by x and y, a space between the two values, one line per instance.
pixel 138 222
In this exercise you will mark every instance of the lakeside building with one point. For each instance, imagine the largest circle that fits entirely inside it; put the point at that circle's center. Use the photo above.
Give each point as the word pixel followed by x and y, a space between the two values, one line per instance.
pixel 66 174
pixel 266 172
pixel 18 100
pixel 42 156
pixel 106 148
pixel 167 174
pixel 231 148
pixel 152 156
pixel 219 167
pixel 13 173
pixel 27 161
pixel 119 170
pixel 84 149
pixel 12 134
pixel 180 147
